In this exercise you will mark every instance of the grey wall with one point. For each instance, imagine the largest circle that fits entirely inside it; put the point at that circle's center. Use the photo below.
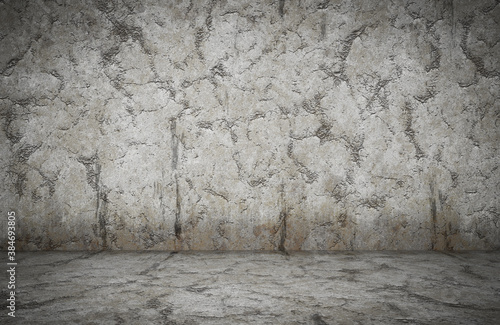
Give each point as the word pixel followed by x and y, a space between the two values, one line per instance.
pixel 250 124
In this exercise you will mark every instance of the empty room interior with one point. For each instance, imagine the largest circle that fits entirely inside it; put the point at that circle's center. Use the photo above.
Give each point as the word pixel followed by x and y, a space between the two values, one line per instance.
pixel 250 162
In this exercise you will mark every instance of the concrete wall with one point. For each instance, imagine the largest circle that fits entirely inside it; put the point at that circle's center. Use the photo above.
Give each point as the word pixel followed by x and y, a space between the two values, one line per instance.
pixel 292 125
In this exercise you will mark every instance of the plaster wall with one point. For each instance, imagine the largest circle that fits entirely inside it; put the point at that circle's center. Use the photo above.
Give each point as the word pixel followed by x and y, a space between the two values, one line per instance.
pixel 249 125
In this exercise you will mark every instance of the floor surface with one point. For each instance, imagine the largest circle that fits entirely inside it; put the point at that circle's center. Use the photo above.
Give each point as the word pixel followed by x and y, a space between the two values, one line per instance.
pixel 255 288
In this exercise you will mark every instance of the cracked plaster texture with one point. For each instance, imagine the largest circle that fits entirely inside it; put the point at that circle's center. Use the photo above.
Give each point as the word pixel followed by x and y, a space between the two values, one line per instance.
pixel 250 125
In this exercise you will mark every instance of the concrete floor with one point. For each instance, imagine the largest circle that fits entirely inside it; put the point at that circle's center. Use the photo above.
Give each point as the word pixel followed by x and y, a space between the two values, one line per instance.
pixel 256 288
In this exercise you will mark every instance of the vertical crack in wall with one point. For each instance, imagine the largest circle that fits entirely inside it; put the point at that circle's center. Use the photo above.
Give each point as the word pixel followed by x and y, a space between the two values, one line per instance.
pixel 209 19
pixel 282 222
pixel 346 49
pixel 453 25
pixel 93 169
pixel 409 131
pixel 198 42
pixel 19 182
pixel 323 26
pixel 281 7
pixel 175 145
pixel 10 115
pixel 177 224
pixel 162 205
pixel 435 58
pixel 347 42
pixel 101 208
pixel 175 157
pixel 432 200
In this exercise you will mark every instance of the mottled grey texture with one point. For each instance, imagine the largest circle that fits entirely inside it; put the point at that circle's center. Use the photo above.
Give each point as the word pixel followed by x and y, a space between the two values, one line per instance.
pixel 291 125
pixel 315 288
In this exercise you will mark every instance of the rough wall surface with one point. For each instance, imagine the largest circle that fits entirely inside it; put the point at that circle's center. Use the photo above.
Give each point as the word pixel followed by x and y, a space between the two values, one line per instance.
pixel 291 125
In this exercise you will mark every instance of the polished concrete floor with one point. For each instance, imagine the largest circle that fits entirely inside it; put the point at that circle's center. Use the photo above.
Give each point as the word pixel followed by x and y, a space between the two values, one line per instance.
pixel 256 288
